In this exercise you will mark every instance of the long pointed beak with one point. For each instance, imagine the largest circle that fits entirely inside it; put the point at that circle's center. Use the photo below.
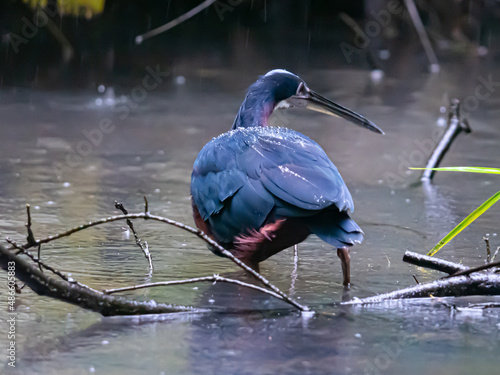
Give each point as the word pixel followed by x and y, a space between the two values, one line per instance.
pixel 319 103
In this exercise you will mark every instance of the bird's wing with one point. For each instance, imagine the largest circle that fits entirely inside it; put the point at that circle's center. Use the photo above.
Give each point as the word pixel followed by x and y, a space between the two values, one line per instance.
pixel 239 177
pixel 298 171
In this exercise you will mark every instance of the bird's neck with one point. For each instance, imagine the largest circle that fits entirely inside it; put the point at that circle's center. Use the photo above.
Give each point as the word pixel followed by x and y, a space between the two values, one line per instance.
pixel 256 108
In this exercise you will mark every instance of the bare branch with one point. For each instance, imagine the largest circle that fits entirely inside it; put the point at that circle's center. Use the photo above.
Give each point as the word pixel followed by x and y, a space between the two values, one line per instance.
pixel 455 127
pixel 214 278
pixel 140 38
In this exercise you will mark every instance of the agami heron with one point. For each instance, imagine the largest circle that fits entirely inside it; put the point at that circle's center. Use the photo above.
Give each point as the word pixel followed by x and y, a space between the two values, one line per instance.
pixel 258 189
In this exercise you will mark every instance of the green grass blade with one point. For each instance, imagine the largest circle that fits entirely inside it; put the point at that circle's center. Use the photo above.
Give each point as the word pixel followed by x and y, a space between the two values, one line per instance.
pixel 465 223
pixel 464 169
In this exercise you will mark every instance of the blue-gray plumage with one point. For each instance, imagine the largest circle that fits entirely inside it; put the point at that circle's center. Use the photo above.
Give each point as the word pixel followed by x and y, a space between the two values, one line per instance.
pixel 258 189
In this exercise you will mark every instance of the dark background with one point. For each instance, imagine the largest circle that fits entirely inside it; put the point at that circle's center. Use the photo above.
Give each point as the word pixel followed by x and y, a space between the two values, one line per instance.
pixel 248 35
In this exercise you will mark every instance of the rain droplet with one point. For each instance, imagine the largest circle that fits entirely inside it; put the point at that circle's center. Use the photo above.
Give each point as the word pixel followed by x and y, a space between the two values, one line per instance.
pixel 384 54
pixel 377 75
pixel 434 68
pixel 180 80
pixel 482 51
pixel 441 122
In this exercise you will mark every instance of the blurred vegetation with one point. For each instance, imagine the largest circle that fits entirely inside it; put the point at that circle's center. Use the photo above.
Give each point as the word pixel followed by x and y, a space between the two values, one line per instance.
pixel 85 42
pixel 87 8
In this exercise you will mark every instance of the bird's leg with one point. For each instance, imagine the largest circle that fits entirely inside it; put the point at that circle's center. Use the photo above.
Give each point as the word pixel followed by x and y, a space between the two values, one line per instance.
pixel 345 259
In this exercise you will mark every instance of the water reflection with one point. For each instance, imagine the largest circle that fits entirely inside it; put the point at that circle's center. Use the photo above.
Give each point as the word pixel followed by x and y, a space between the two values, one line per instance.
pixel 151 153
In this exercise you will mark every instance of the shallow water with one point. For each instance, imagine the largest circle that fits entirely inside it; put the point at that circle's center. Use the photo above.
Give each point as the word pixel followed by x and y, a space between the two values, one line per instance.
pixel 46 160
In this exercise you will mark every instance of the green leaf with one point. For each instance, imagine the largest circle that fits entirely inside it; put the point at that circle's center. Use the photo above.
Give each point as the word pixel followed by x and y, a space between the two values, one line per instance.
pixel 465 169
pixel 465 223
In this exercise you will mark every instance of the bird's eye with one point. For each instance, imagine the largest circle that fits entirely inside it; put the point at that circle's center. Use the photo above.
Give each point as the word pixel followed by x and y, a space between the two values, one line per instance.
pixel 302 90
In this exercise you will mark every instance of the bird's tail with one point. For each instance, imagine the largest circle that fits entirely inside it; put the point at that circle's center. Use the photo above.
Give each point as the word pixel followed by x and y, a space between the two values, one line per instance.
pixel 336 228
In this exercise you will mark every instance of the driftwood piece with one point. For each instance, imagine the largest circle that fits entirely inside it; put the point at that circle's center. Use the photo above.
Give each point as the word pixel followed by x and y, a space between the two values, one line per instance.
pixel 475 284
pixel 433 263
pixel 453 285
pixel 79 294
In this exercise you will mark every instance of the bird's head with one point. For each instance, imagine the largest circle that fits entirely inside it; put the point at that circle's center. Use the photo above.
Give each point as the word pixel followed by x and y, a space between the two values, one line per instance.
pixel 281 89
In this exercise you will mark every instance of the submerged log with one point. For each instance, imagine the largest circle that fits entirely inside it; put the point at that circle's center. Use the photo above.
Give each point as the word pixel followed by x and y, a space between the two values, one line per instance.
pixel 475 284
pixel 433 263
pixel 455 285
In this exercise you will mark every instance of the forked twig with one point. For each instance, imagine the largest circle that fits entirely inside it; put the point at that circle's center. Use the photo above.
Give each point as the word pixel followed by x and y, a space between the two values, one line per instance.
pixel 143 245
